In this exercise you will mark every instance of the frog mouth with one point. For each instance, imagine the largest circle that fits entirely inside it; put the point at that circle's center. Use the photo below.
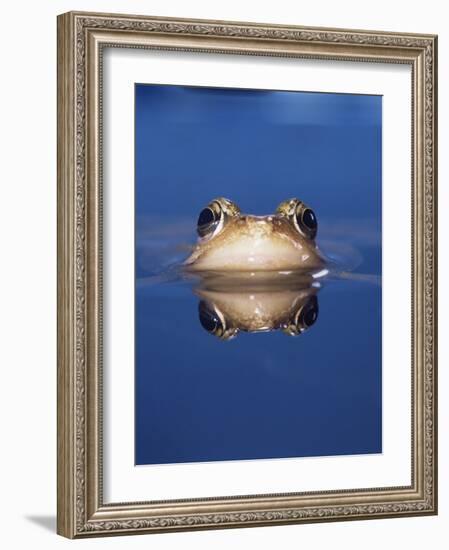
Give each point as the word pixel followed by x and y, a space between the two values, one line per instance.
pixel 259 253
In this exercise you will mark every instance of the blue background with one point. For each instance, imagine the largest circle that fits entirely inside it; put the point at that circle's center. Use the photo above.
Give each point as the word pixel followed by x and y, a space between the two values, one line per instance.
pixel 260 395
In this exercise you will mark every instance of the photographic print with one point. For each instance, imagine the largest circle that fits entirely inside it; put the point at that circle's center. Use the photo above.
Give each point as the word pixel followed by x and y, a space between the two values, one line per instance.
pixel 258 263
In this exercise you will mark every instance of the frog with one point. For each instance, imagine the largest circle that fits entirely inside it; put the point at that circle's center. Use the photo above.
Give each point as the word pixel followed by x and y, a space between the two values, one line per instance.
pixel 231 241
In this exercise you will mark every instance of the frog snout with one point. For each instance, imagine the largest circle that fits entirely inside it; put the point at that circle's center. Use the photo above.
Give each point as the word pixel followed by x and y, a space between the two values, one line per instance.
pixel 257 224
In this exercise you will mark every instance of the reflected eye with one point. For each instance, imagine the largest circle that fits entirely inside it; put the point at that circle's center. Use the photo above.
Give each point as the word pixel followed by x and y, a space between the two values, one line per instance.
pixel 305 317
pixel 207 222
pixel 307 222
pixel 210 320
pixel 213 322
pixel 309 313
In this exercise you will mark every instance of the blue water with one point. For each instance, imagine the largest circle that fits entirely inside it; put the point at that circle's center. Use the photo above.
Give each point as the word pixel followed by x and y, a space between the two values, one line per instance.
pixel 259 395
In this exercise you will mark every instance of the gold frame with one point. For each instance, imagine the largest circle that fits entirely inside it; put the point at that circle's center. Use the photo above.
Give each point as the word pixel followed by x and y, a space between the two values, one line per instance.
pixel 81 38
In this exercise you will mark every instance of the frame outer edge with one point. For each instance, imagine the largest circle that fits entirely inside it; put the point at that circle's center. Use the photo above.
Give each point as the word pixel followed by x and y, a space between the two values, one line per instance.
pixel 65 280
pixel 126 17
pixel 435 269
pixel 76 425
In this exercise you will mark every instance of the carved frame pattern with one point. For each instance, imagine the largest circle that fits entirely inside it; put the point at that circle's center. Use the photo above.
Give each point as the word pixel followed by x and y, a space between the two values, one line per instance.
pixel 81 37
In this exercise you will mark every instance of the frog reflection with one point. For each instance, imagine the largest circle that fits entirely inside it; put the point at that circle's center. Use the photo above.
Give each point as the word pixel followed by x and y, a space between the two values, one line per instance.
pixel 225 312
pixel 230 241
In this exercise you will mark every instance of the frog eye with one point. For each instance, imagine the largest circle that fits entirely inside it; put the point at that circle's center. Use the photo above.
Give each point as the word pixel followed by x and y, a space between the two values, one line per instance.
pixel 305 317
pixel 213 322
pixel 302 217
pixel 212 218
pixel 208 221
pixel 306 221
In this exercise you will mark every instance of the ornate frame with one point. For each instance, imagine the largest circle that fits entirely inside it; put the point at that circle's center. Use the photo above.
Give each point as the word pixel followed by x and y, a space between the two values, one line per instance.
pixel 81 37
